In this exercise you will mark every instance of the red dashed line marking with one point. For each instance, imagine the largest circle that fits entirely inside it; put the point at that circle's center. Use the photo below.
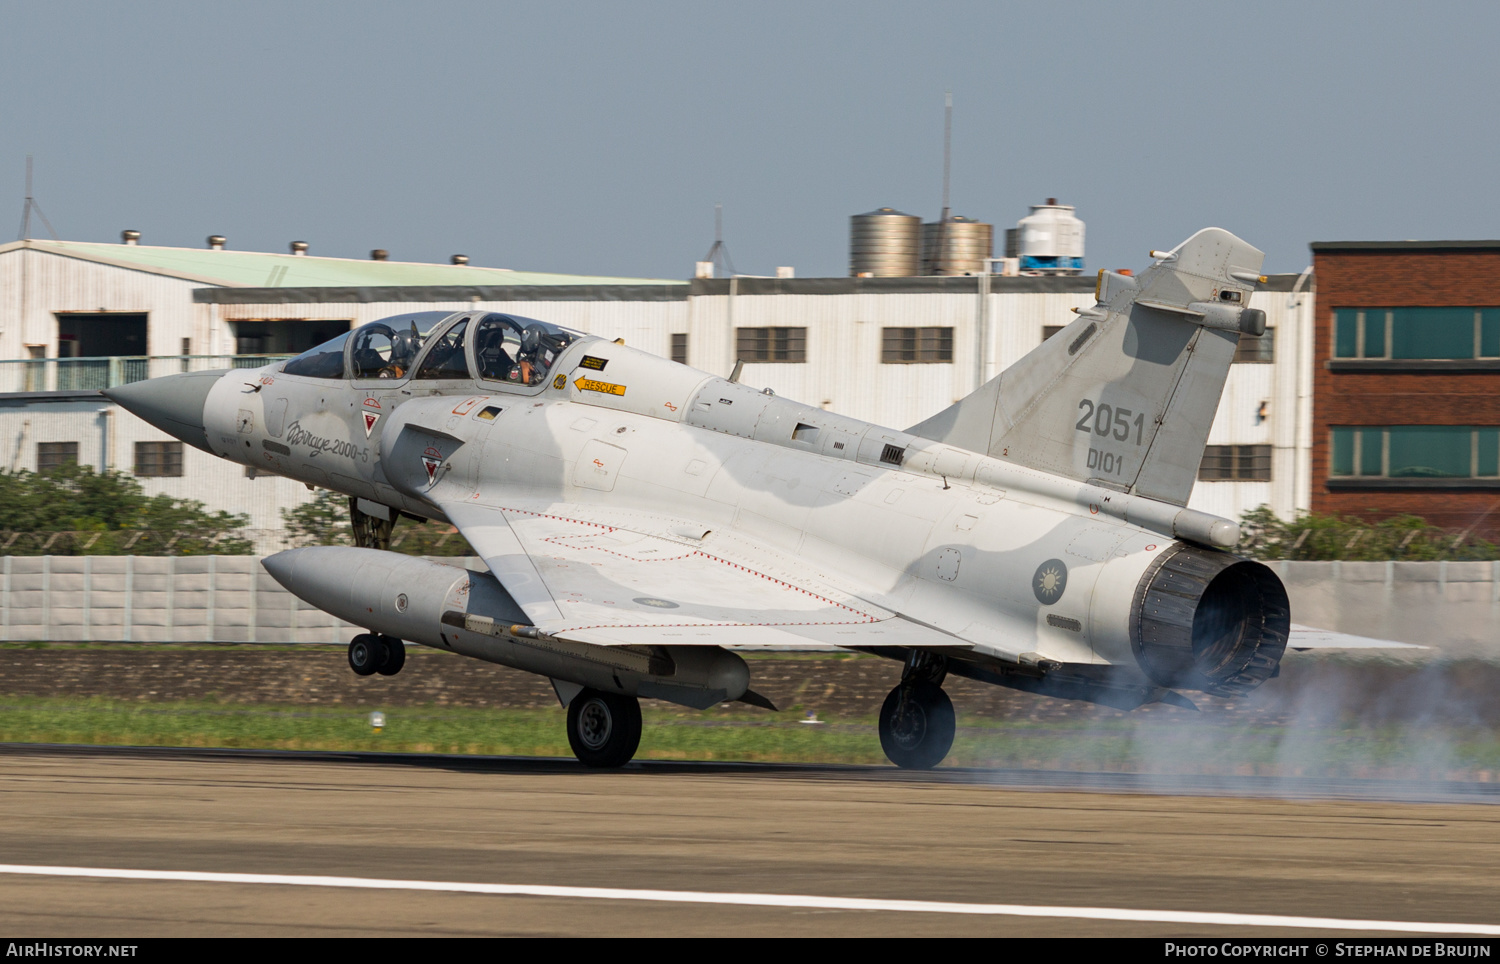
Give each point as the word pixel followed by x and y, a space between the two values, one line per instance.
pixel 581 629
pixel 865 617
pixel 559 518
pixel 561 541
pixel 733 565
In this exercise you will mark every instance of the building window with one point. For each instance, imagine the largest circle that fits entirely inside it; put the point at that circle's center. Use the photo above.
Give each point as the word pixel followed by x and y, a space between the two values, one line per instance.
pixel 54 455
pixel 905 346
pixel 1049 330
pixel 290 336
pixel 679 348
pixel 771 344
pixel 1415 452
pixel 1416 333
pixel 1236 463
pixel 1253 349
pixel 158 459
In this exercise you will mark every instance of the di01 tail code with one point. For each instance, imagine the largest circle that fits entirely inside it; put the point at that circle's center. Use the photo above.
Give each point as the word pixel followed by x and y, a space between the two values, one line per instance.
pixel 1106 463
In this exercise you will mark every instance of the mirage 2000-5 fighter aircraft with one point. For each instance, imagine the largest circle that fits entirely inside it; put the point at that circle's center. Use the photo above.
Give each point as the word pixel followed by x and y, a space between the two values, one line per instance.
pixel 640 519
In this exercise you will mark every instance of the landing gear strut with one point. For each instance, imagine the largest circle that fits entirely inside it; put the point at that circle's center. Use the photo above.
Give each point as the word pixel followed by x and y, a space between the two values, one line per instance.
pixel 917 721
pixel 370 654
pixel 370 532
pixel 604 729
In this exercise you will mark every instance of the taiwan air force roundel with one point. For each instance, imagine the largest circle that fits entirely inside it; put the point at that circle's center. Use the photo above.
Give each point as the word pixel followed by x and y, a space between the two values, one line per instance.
pixel 1049 582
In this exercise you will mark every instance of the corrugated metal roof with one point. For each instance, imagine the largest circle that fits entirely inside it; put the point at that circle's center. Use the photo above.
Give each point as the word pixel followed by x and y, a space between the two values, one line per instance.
pixel 1404 245
pixel 562 291
pixel 260 269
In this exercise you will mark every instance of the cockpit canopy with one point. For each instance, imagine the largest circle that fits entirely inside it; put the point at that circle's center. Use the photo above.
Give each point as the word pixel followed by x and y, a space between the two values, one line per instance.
pixel 510 348
pixel 441 345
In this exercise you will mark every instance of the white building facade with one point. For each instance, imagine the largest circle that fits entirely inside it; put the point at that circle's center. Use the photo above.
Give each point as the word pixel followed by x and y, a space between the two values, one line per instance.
pixel 889 350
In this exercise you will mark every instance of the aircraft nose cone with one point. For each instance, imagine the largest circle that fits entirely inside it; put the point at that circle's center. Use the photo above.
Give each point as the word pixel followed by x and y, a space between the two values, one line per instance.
pixel 173 403
pixel 283 566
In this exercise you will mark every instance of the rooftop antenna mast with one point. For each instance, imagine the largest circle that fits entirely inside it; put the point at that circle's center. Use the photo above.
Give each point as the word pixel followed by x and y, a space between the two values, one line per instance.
pixel 940 236
pixel 947 147
pixel 30 206
pixel 718 254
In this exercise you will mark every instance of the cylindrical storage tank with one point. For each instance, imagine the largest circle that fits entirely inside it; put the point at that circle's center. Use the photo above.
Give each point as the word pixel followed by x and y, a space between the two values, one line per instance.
pixel 1051 240
pixel 885 244
pixel 957 246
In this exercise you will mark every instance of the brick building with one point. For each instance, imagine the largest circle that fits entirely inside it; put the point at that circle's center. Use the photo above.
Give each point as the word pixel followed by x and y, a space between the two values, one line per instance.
pixel 1406 381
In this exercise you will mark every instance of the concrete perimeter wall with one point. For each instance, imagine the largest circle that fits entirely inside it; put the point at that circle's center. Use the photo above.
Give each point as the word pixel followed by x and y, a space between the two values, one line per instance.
pixel 1452 606
pixel 158 599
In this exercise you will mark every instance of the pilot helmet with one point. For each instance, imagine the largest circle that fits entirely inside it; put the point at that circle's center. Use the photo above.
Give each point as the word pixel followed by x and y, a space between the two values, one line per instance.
pixel 404 345
pixel 531 338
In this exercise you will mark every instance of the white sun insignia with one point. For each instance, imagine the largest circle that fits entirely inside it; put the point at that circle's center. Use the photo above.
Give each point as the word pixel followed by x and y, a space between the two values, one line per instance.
pixel 1050 581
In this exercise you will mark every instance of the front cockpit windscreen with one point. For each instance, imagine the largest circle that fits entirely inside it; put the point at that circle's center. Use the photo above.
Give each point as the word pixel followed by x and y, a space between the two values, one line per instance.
pixel 321 361
pixel 518 350
pixel 380 349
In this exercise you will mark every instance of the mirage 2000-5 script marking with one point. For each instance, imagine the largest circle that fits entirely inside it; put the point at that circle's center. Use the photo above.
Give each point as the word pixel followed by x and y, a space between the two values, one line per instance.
pixel 641 519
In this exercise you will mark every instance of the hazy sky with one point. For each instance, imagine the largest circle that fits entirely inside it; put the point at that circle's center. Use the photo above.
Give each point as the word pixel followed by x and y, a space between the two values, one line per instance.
pixel 596 137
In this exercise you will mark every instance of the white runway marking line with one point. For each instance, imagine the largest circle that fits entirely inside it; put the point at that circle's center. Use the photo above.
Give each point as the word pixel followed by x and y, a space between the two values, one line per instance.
pixel 799 901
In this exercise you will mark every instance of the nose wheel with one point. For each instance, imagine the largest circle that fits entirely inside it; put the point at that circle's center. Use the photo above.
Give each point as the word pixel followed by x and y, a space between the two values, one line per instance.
pixel 370 654
pixel 917 725
pixel 604 729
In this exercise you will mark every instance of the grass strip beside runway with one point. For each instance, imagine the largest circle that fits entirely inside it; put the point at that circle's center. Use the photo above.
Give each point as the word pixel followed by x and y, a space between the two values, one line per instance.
pixel 1128 744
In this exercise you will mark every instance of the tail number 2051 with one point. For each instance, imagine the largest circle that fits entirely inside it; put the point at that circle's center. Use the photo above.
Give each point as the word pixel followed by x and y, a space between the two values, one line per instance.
pixel 1105 421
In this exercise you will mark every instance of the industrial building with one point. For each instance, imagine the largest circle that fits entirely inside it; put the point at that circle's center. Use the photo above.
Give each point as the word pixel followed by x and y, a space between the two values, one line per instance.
pixel 75 317
pixel 1407 382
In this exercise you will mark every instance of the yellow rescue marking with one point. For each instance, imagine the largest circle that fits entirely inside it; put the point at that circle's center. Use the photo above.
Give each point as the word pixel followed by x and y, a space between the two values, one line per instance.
pixel 589 385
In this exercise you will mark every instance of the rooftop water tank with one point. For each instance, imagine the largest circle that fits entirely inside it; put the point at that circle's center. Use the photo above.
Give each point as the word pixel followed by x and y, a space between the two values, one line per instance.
pixel 884 244
pixel 957 246
pixel 1050 240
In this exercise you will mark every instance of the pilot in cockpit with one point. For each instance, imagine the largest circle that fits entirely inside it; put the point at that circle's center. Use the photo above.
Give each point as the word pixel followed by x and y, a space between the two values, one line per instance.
pixel 535 357
pixel 404 348
pixel 494 361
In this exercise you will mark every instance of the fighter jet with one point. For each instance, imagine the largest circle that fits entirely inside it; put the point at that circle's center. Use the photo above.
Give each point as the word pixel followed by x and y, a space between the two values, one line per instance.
pixel 641 520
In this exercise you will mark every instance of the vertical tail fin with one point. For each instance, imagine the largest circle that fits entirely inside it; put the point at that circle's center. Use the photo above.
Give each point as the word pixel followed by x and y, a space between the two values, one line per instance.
pixel 1125 395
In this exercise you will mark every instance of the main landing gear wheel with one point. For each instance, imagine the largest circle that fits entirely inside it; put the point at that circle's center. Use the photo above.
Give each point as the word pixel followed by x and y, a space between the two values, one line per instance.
pixel 604 729
pixel 916 725
pixel 366 654
pixel 395 656
pixel 370 654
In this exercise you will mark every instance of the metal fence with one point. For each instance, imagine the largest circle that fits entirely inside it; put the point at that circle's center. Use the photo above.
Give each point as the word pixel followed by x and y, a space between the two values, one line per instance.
pixel 92 374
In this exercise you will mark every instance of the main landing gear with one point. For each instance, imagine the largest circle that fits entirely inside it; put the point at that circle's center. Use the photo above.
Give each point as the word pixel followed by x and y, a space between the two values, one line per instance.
pixel 604 729
pixel 917 721
pixel 370 654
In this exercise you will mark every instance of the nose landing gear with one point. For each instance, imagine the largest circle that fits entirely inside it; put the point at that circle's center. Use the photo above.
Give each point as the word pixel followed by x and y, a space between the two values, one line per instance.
pixel 917 722
pixel 370 654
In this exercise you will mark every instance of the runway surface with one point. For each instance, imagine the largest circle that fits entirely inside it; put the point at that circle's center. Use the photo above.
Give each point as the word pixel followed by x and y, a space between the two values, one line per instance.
pixel 847 836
